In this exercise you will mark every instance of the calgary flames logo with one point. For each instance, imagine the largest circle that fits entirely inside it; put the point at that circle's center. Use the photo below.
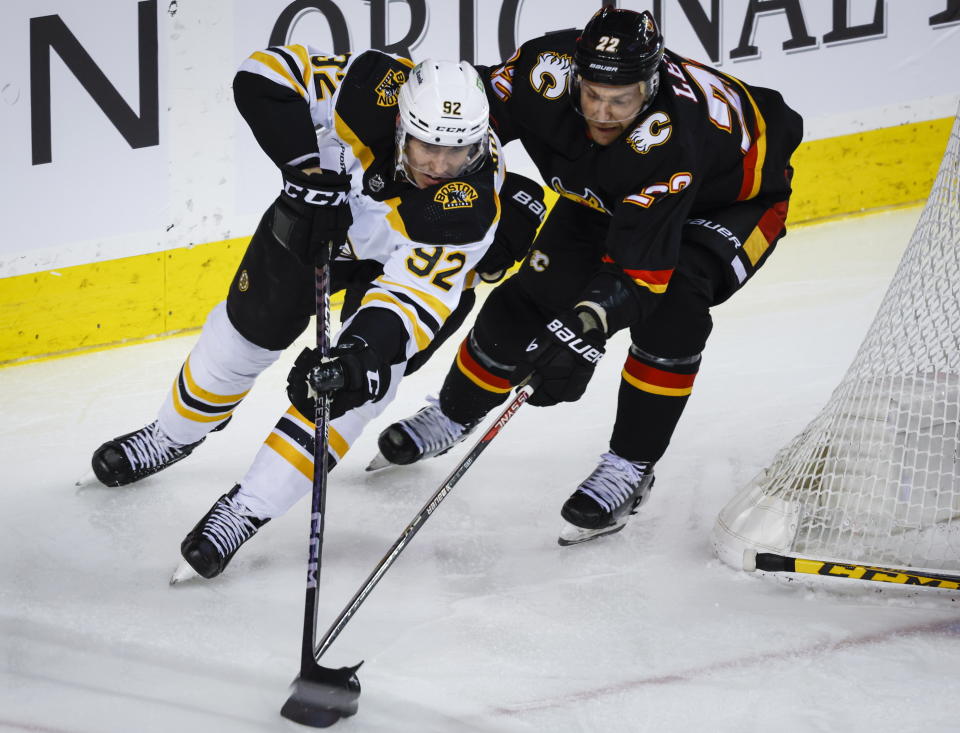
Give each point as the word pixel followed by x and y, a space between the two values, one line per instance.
pixel 549 75
pixel 456 195
pixel 388 89
pixel 587 198
pixel 654 130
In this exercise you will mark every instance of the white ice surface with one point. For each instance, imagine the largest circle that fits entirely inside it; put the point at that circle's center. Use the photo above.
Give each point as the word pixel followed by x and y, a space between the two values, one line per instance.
pixel 484 623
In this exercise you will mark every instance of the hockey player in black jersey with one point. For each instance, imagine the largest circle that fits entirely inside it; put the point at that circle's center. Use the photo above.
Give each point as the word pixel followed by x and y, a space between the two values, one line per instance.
pixel 674 180
pixel 407 181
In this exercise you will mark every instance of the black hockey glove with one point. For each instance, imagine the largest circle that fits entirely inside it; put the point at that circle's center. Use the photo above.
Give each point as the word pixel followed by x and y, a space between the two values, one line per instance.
pixel 522 210
pixel 311 215
pixel 354 373
pixel 564 356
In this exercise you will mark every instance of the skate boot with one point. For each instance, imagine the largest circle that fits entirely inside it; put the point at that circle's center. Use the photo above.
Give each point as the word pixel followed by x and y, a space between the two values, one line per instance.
pixel 602 504
pixel 209 547
pixel 136 455
pixel 424 435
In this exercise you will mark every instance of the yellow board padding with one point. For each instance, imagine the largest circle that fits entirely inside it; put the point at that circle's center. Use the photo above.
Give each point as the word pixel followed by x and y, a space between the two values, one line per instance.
pixel 113 303
pixel 117 302
pixel 850 174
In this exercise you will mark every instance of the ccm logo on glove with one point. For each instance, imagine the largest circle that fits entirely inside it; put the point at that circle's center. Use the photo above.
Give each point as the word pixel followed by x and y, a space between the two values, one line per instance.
pixel 314 197
pixel 573 341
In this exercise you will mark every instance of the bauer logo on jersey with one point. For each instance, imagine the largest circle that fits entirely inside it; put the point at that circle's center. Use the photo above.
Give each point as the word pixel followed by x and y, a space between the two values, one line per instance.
pixel 388 90
pixel 654 130
pixel 456 195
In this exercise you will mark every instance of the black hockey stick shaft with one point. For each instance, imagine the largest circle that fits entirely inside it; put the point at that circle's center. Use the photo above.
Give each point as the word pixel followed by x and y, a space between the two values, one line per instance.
pixel 422 516
pixel 320 696
pixel 319 497
pixel 774 563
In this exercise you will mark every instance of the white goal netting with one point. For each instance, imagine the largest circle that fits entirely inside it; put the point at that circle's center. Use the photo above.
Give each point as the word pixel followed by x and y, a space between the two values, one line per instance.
pixel 875 478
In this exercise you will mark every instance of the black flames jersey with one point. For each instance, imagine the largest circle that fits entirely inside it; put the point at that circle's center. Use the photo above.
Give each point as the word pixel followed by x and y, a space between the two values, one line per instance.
pixel 707 140
pixel 340 113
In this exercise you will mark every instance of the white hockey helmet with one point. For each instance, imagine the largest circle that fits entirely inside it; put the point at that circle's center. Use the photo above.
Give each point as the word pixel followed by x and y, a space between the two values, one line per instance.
pixel 443 105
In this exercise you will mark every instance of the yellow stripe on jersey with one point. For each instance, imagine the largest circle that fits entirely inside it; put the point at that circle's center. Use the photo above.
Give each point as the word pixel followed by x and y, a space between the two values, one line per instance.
pixel 419 334
pixel 755 246
pixel 306 68
pixel 278 67
pixel 361 151
pixel 433 301
pixel 199 392
pixel 761 140
pixel 291 455
pixel 394 218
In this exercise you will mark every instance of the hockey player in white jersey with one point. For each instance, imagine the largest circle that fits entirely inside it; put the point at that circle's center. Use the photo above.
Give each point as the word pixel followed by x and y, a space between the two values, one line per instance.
pixel 406 180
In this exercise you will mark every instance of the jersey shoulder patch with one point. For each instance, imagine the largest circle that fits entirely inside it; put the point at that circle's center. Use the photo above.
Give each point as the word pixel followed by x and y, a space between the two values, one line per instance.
pixel 456 212
pixel 370 94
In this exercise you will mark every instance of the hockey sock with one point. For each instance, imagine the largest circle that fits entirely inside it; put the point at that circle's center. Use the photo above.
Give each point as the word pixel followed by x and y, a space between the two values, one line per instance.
pixel 474 385
pixel 653 394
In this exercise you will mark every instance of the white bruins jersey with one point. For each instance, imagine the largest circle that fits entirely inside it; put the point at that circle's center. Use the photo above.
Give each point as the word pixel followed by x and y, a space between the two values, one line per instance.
pixel 428 240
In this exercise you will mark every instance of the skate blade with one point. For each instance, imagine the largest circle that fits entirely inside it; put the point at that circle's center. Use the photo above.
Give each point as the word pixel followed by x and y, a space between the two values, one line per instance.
pixel 378 463
pixel 573 535
pixel 87 479
pixel 183 573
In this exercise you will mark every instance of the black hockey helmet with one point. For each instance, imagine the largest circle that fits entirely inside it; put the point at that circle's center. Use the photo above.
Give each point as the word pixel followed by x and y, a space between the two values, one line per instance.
pixel 619 46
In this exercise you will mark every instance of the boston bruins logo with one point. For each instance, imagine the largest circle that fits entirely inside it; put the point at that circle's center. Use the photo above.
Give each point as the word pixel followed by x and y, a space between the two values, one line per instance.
pixel 388 89
pixel 244 283
pixel 456 195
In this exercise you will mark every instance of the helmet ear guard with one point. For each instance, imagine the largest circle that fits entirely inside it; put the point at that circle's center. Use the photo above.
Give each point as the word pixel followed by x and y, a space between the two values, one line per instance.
pixel 443 103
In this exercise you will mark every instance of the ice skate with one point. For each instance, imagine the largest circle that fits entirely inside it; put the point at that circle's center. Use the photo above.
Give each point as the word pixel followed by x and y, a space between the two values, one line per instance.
pixel 605 500
pixel 212 543
pixel 136 455
pixel 424 435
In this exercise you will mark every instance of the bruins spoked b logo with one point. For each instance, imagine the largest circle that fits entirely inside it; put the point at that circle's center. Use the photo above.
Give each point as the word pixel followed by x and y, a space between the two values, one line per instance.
pixel 244 283
pixel 456 195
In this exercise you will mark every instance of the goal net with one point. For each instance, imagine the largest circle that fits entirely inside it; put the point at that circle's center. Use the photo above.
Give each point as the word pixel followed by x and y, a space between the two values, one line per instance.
pixel 875 478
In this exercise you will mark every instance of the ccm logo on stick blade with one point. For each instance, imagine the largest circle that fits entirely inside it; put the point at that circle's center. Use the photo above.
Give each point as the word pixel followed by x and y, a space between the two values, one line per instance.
pixel 576 344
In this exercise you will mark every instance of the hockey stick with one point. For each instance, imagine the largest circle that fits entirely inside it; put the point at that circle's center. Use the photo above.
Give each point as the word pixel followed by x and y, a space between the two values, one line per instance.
pixel 523 393
pixel 774 563
pixel 320 696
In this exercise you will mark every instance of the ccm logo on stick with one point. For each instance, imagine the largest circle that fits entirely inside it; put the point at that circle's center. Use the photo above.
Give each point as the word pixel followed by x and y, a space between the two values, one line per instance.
pixel 313 196
pixel 574 342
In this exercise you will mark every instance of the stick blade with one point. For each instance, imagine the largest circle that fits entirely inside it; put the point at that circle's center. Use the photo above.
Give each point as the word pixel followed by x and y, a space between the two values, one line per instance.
pixel 320 696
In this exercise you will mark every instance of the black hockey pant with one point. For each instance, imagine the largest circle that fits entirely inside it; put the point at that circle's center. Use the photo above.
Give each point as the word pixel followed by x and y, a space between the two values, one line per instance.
pixel 271 297
pixel 664 357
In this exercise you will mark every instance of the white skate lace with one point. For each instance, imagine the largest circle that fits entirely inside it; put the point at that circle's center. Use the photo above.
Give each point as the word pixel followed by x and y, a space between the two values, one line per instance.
pixel 431 430
pixel 614 481
pixel 150 447
pixel 228 526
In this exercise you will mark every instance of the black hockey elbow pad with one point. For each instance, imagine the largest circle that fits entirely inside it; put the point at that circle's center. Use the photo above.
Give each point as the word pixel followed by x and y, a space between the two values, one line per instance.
pixel 521 212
